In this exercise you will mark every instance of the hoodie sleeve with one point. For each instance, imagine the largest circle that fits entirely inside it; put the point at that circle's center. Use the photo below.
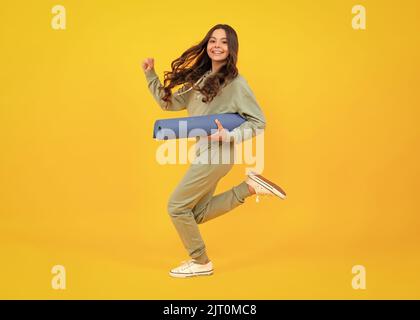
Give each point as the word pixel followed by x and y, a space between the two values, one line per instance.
pixel 178 101
pixel 248 107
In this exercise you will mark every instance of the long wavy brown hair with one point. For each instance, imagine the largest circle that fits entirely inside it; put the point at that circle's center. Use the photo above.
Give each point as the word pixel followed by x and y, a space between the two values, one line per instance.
pixel 194 62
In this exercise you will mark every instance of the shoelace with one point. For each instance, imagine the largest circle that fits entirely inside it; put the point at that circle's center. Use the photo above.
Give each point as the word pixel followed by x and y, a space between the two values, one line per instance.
pixel 186 264
pixel 257 198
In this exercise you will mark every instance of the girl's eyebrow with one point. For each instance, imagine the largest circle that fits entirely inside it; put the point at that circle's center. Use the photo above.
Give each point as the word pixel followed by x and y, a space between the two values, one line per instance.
pixel 220 38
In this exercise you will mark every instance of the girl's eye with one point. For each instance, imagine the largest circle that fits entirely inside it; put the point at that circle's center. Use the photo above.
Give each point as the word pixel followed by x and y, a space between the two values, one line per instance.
pixel 224 42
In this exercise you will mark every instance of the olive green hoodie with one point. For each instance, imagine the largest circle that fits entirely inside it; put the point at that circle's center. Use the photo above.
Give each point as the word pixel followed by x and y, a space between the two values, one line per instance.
pixel 235 97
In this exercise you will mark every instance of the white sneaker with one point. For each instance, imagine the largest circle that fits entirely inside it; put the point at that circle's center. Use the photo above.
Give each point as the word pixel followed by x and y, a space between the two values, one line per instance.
pixel 264 187
pixel 191 269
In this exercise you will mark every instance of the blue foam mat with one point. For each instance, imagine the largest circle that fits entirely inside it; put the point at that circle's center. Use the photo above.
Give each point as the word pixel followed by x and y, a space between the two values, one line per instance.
pixel 178 128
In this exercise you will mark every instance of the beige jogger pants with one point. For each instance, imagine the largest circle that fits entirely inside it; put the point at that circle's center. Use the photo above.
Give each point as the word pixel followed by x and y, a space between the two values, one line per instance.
pixel 193 202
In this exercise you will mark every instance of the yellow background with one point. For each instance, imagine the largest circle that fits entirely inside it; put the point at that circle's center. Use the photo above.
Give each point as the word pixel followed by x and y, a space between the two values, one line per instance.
pixel 80 186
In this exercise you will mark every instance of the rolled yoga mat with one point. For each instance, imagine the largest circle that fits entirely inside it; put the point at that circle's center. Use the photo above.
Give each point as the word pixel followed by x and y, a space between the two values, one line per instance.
pixel 178 128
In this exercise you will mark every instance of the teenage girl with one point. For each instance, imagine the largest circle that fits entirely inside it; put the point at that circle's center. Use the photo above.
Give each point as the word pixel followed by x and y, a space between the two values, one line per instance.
pixel 211 84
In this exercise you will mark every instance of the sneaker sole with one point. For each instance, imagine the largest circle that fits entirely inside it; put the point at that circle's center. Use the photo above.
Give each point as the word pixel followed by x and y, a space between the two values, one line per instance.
pixel 272 187
pixel 190 275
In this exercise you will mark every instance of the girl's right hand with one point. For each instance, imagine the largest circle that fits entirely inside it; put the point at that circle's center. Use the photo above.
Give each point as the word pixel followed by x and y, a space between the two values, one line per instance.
pixel 148 64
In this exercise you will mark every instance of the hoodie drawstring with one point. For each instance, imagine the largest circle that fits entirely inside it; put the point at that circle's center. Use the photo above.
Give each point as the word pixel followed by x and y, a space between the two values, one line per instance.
pixel 196 83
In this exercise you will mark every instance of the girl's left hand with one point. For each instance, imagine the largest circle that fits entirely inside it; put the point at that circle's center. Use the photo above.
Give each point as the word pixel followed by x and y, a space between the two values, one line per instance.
pixel 220 135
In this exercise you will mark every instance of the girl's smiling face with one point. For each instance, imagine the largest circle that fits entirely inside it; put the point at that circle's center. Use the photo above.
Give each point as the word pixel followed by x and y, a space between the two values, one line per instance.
pixel 217 47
